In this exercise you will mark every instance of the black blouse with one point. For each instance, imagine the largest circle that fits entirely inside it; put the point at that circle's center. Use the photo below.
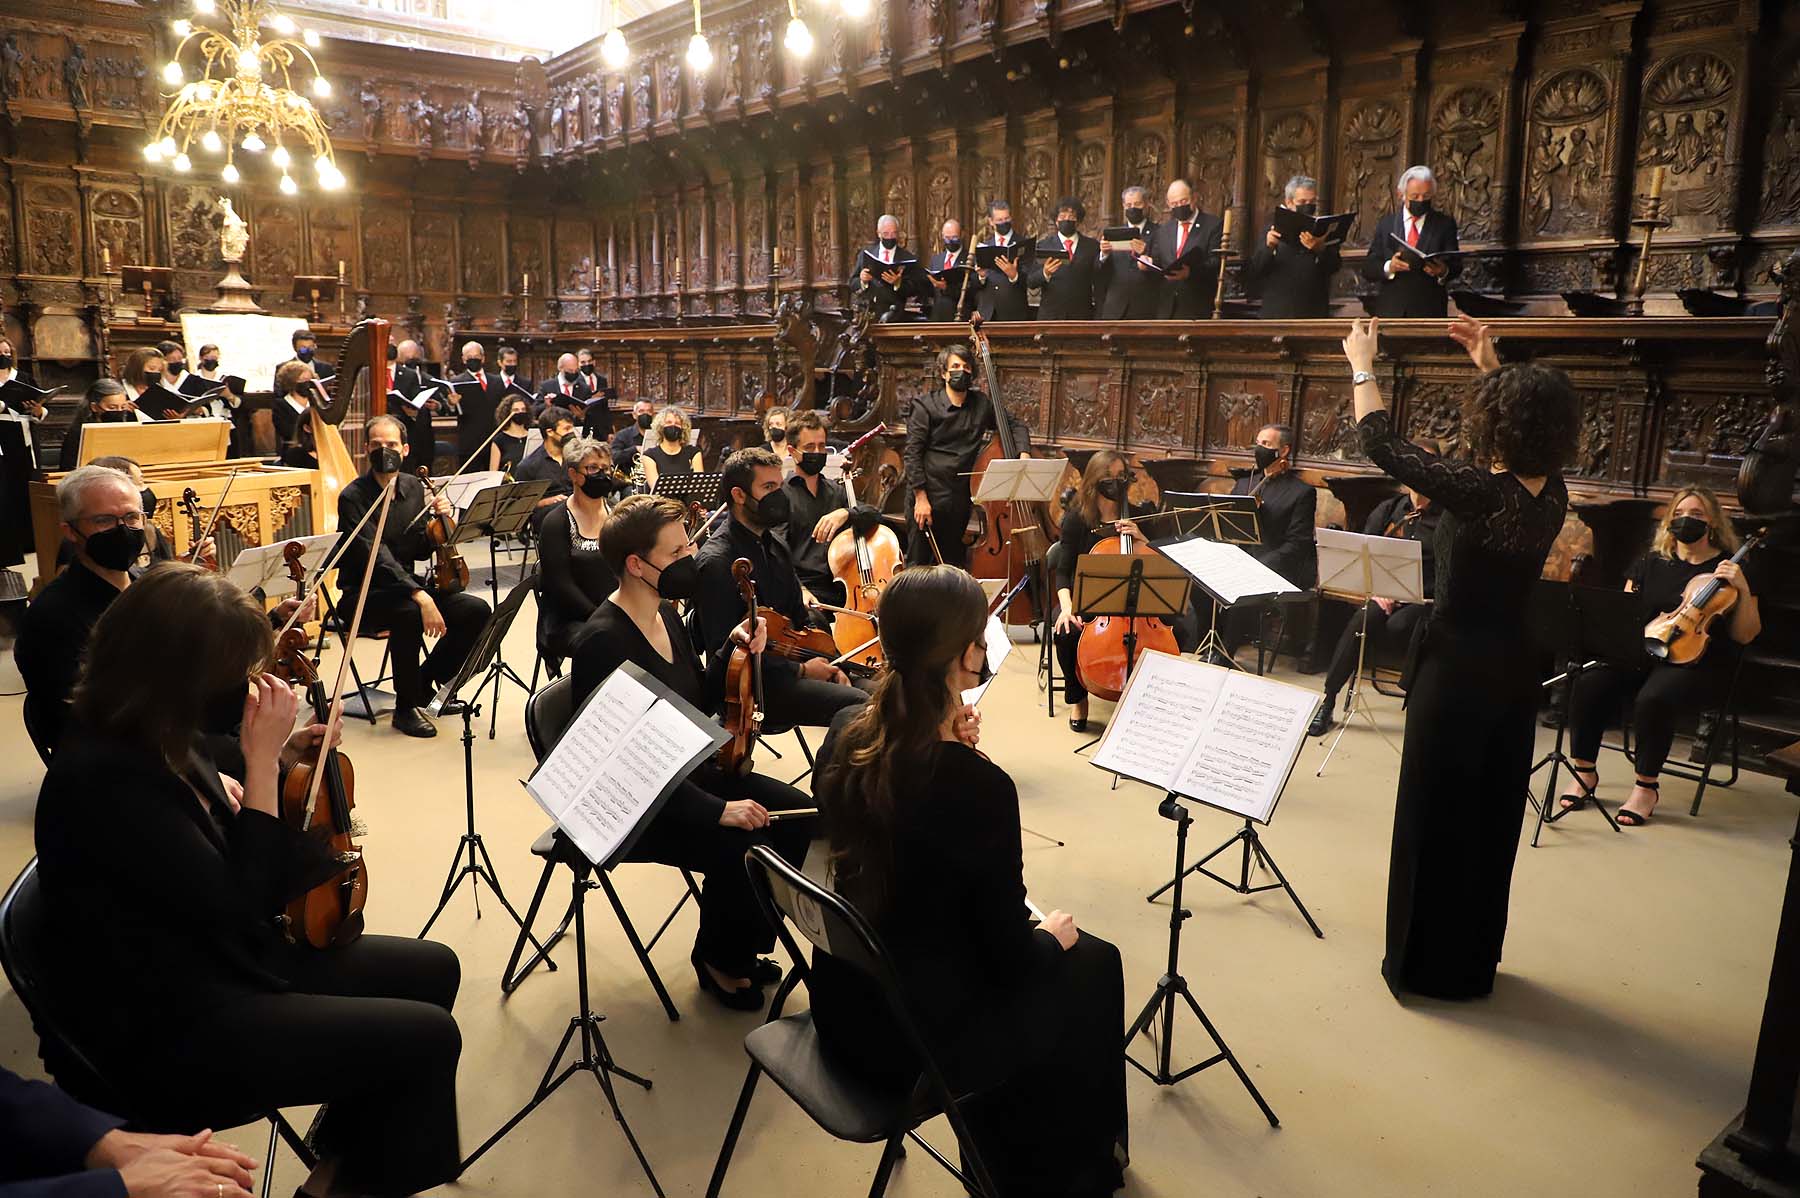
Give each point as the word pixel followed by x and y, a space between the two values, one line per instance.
pixel 679 462
pixel 1662 581
pixel 576 577
pixel 1492 539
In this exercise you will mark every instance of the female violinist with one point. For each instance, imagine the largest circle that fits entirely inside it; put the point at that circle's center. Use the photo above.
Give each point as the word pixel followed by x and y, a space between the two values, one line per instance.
pixel 162 890
pixel 576 577
pixel 713 817
pixel 1100 510
pixel 1694 541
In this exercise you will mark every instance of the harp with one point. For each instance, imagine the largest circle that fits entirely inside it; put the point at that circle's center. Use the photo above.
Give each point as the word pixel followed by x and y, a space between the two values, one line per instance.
pixel 361 373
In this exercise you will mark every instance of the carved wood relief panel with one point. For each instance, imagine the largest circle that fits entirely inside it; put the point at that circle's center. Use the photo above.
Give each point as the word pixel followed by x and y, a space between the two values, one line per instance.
pixel 52 230
pixel 1690 106
pixel 275 250
pixel 1211 165
pixel 1371 152
pixel 1465 139
pixel 1781 146
pixel 433 251
pixel 331 234
pixel 1567 135
pixel 118 224
pixel 1237 407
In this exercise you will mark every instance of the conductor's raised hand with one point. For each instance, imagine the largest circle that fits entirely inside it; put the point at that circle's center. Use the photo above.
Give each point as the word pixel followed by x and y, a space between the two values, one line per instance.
pixel 1061 925
pixel 746 814
pixel 1362 342
pixel 1475 337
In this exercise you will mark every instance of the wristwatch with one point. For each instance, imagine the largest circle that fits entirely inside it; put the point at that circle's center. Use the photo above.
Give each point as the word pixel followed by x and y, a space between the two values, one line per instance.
pixel 1361 377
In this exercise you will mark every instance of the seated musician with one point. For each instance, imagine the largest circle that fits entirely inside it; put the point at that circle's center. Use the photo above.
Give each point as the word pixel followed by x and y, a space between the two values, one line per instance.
pixel 407 609
pixel 673 451
pixel 944 435
pixel 107 402
pixel 925 843
pixel 1101 500
pixel 817 509
pixel 576 578
pixel 1286 504
pixel 813 691
pixel 713 817
pixel 1694 540
pixel 52 1146
pixel 1410 516
pixel 162 889
pixel 545 462
pixel 626 442
pixel 157 547
pixel 289 413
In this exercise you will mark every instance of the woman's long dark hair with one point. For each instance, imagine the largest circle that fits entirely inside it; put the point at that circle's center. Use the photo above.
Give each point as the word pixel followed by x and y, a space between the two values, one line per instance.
pixel 1087 494
pixel 173 641
pixel 929 616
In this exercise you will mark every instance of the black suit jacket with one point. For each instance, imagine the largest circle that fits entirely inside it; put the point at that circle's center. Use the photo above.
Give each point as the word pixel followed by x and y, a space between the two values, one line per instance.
pixel 404 540
pixel 1002 299
pixel 1128 292
pixel 877 294
pixel 950 305
pixel 421 437
pixel 550 390
pixel 1411 293
pixel 1285 515
pixel 1190 298
pixel 53 634
pixel 1293 281
pixel 1073 293
pixel 475 414
pixel 45 1137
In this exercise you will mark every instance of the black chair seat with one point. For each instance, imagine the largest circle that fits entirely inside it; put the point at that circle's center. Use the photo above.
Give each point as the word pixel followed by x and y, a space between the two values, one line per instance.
pixel 789 1051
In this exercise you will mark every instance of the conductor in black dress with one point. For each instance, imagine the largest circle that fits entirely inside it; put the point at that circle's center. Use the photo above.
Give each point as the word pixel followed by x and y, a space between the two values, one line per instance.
pixel 1188 292
pixel 1067 266
pixel 1473 696
pixel 1403 291
pixel 944 436
pixel 1129 289
pixel 1294 280
pixel 1003 284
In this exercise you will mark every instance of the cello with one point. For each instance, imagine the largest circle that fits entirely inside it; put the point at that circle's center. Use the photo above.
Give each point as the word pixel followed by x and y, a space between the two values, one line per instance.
pixel 864 565
pixel 1111 645
pixel 1007 540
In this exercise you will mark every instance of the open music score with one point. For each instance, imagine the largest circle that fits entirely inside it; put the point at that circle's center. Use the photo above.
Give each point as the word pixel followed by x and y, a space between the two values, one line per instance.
pixel 1217 736
pixel 1226 572
pixel 998 645
pixel 622 755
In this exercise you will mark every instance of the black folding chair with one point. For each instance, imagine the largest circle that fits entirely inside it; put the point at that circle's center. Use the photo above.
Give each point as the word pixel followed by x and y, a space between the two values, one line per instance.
pixel 23 930
pixel 547 714
pixel 337 622
pixel 787 1048
pixel 1048 679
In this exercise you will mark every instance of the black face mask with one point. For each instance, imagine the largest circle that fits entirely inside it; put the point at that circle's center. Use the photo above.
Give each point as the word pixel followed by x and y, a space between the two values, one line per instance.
pixel 888 243
pixel 6 361
pixel 175 368
pixel 952 244
pixel 222 713
pixel 1066 227
pixel 672 434
pixel 1418 207
pixel 305 355
pixel 393 352
pixel 209 363
pixel 1182 212
pixel 1688 529
pixel 118 548
pixel 1003 228
pixel 147 499
pixel 569 376
pixel 985 673
pixel 777 436
pixel 643 421
pixel 384 460
pixel 1134 216
pixel 112 417
pixel 811 463
pixel 1306 209
pixel 1265 457
pixel 772 510
pixel 959 381
pixel 680 579
pixel 596 486
pixel 1113 489
pixel 473 365
pixel 153 378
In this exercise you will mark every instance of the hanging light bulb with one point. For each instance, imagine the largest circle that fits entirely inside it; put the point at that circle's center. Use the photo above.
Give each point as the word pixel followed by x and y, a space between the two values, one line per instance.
pixel 288 186
pixel 284 25
pixel 203 92
pixel 699 53
pixel 799 39
pixel 182 162
pixel 168 147
pixel 204 7
pixel 253 142
pixel 321 86
pixel 281 157
pixel 172 74
pixel 855 9
pixel 613 50
pixel 230 173
pixel 182 28
pixel 153 152
pixel 311 39
pixel 210 141
pixel 331 179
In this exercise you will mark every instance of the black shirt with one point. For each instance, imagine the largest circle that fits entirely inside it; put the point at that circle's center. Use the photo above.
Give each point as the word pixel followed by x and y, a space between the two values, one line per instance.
pixel 539 465
pixel 722 608
pixel 576 577
pixel 679 462
pixel 1662 581
pixel 53 634
pixel 512 451
pixel 625 444
pixel 1285 515
pixel 1077 537
pixel 404 540
pixel 944 439
pixel 809 557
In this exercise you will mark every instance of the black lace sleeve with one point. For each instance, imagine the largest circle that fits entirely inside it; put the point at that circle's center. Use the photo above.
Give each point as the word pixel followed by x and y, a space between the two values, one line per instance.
pixel 1462 488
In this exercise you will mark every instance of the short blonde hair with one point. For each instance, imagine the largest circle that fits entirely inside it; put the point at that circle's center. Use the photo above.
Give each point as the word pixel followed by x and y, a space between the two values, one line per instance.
pixel 687 426
pixel 1723 534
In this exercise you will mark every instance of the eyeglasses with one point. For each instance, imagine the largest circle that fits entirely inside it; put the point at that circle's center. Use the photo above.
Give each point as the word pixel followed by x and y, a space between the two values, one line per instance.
pixel 106 522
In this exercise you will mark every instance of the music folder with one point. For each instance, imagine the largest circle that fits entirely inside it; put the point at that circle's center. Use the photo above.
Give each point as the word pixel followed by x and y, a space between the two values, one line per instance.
pixel 1291 224
pixel 1120 237
pixel 952 277
pixel 1019 251
pixel 19 394
pixel 1193 256
pixel 201 388
pixel 160 403
pixel 416 401
pixel 1417 259
pixel 876 267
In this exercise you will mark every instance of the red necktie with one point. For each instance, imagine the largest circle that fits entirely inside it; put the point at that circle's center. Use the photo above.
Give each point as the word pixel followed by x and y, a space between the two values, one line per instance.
pixel 566 390
pixel 1412 232
pixel 1069 248
pixel 1181 240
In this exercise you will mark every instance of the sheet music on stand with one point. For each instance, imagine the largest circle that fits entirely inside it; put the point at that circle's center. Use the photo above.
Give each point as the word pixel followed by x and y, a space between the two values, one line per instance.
pixel 1356 566
pixel 998 645
pixel 1219 737
pixel 1022 480
pixel 1225 571
pixel 622 756
pixel 500 510
pixel 260 565
pixel 701 488
pixel 461 489
pixel 1232 519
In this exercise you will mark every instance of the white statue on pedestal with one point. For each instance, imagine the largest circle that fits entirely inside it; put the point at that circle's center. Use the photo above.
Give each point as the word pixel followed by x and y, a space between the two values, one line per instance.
pixel 235 294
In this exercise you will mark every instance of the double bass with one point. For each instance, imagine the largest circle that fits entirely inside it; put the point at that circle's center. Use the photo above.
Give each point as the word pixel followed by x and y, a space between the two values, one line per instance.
pixel 864 565
pixel 1007 540
pixel 1111 645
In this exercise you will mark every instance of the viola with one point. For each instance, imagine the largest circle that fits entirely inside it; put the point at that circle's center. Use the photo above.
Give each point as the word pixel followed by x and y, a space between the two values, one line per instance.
pixel 331 913
pixel 1110 645
pixel 450 573
pixel 1680 637
pixel 805 644
pixel 743 686
pixel 864 565
pixel 1007 540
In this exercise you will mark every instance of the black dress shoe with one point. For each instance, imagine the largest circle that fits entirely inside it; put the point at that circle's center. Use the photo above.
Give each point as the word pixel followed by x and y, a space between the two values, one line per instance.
pixel 766 972
pixel 413 722
pixel 750 998
pixel 1322 721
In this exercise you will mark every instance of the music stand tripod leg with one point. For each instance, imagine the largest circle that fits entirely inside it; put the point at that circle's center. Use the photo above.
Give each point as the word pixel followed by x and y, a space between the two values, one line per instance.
pixel 1558 760
pixel 1355 701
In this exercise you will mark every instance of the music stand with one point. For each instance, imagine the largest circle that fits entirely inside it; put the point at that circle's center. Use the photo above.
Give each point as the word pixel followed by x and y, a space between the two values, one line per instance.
pixel 1020 480
pixel 1133 588
pixel 152 281
pixel 312 290
pixel 1231 519
pixel 480 867
pixel 1362 569
pixel 499 512
pixel 699 488
pixel 1592 627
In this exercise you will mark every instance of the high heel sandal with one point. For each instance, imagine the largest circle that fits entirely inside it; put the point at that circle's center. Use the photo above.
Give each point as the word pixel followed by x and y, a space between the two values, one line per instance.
pixel 1632 819
pixel 1567 802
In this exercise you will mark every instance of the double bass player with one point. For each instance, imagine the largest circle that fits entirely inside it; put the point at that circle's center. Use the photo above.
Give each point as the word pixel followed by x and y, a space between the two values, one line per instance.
pixel 944 434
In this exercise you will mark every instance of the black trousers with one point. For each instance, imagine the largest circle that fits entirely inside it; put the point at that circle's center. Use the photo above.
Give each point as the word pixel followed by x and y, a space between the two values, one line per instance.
pixel 796 702
pixel 732 930
pixel 394 611
pixel 947 523
pixel 1390 631
pixel 1663 692
pixel 366 1030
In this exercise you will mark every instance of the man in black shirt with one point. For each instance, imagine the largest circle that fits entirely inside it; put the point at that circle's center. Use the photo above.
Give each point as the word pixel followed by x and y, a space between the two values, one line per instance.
pixel 943 439
pixel 1294 280
pixel 1286 504
pixel 818 509
pixel 626 442
pixel 814 690
pixel 545 461
pixel 398 602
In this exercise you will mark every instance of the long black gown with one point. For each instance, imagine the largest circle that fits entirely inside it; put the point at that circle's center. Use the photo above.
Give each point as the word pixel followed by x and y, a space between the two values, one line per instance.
pixel 1469 720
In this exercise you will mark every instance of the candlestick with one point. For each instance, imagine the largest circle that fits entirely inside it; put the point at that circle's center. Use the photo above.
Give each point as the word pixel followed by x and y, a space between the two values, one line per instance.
pixel 525 284
pixel 777 257
pixel 678 272
pixel 1226 230
pixel 596 280
pixel 1656 184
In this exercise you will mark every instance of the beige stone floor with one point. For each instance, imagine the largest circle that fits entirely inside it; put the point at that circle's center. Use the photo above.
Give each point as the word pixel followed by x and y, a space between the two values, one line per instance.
pixel 1616 1045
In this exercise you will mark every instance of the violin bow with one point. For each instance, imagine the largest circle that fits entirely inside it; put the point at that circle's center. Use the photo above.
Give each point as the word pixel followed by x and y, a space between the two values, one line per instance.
pixel 212 520
pixel 707 523
pixel 326 567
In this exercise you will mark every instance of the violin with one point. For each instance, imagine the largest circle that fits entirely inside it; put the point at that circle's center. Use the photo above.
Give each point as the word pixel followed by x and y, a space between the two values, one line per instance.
pixel 864 565
pixel 1007 539
pixel 743 686
pixel 331 913
pixel 450 573
pixel 1111 645
pixel 190 505
pixel 1680 637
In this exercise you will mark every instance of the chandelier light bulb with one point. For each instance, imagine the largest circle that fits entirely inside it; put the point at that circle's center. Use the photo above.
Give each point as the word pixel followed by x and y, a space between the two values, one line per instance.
pixel 699 53
pixel 253 142
pixel 288 186
pixel 311 39
pixel 182 28
pixel 799 39
pixel 204 7
pixel 281 157
pixel 211 142
pixel 284 25
pixel 182 162
pixel 321 86
pixel 153 152
pixel 248 59
pixel 168 147
pixel 613 50
pixel 331 180
pixel 230 173
pixel 856 9
pixel 172 74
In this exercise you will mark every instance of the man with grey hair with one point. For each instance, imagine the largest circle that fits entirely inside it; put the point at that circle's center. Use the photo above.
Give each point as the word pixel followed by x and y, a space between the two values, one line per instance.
pixel 888 274
pixel 1405 287
pixel 1294 279
pixel 411 378
pixel 1003 284
pixel 1131 290
pixel 477 396
pixel 103 517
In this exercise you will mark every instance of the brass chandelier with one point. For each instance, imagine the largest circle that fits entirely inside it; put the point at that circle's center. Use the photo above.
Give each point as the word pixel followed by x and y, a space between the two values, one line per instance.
pixel 232 106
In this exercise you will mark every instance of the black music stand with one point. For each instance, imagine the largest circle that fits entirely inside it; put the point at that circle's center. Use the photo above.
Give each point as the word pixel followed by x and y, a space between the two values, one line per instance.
pixel 699 488
pixel 1139 587
pixel 480 867
pixel 1591 627
pixel 1230 520
pixel 495 512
